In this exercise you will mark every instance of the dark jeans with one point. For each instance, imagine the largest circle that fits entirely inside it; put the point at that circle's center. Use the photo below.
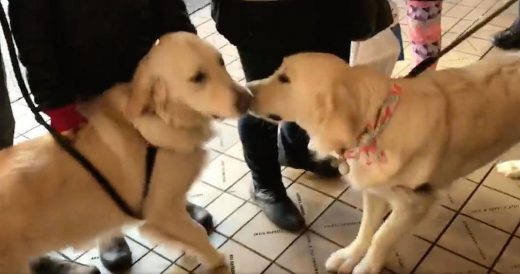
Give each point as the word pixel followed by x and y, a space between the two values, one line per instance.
pixel 6 114
pixel 260 139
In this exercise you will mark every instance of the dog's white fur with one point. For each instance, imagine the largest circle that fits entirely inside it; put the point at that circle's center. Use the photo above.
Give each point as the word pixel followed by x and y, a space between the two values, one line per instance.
pixel 48 201
pixel 447 124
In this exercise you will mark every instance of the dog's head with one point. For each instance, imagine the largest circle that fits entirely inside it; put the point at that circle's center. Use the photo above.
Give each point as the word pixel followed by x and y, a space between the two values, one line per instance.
pixel 318 91
pixel 180 72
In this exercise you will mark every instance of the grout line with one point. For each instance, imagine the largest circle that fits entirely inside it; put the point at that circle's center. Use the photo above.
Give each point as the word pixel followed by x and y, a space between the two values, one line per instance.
pixel 509 240
pixel 306 229
pixel 502 192
pixel 448 225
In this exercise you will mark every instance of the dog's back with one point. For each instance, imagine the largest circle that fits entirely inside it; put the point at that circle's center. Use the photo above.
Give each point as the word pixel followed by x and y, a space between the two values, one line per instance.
pixel 483 106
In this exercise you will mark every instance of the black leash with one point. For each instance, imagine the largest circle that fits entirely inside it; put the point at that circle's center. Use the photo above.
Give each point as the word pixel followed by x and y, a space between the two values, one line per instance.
pixel 428 62
pixel 63 142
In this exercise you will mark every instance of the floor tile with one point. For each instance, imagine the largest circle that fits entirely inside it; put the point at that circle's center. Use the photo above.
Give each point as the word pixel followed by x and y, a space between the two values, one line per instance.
pixel 238 219
pixel 292 173
pixel 223 206
pixel 407 253
pixel 235 70
pixel 25 123
pixel 171 252
pixel 150 263
pixel 242 260
pixel 189 261
pixel 212 155
pixel 308 254
pixel 224 171
pixel 36 132
pixel 487 4
pixel 73 253
pixel 448 22
pixel 436 220
pixel 494 208
pixel 275 269
pixel 216 39
pixel 503 20
pixel 473 240
pixel 231 122
pixel 462 26
pixel 134 233
pixel 332 187
pixel 455 195
pixel 479 174
pixel 19 139
pixel 206 29
pixel 264 237
pixel 340 223
pixel 475 14
pixel 310 203
pixel 440 261
pixel 499 181
pixel 353 197
pixel 487 32
pixel 226 137
pixel 457 59
pixel 236 151
pixel 174 269
pixel 202 194
pixel 509 262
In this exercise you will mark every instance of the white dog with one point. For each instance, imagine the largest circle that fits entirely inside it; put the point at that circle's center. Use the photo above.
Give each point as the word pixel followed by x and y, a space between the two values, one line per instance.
pixel 403 139
pixel 48 201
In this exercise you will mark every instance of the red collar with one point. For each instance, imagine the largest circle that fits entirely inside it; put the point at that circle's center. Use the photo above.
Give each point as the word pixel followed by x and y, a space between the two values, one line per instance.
pixel 367 141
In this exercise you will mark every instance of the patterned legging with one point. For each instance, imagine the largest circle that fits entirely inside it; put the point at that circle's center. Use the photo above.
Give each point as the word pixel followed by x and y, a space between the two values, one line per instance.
pixel 424 20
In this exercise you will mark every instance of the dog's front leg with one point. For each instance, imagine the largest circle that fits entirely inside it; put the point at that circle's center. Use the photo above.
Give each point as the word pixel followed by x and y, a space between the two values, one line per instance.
pixel 345 259
pixel 178 227
pixel 408 209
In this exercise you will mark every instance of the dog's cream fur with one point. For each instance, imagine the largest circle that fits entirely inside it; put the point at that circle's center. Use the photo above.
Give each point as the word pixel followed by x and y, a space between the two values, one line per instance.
pixel 446 125
pixel 48 201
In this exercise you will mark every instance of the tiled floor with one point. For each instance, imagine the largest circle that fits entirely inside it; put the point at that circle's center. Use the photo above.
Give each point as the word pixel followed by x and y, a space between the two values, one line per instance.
pixel 468 232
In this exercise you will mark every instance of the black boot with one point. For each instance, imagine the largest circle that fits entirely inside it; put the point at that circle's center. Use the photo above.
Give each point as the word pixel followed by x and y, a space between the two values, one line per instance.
pixel 201 216
pixel 48 265
pixel 278 208
pixel 293 152
pixel 509 38
pixel 115 255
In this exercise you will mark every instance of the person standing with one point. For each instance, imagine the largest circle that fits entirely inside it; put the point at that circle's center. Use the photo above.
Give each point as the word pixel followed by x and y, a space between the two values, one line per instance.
pixel 264 32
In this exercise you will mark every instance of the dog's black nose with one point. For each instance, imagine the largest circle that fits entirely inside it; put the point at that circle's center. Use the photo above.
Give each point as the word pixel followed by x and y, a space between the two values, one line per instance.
pixel 243 102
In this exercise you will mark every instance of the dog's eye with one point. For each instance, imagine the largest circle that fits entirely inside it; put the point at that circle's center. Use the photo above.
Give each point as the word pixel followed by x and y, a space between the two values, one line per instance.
pixel 283 78
pixel 198 78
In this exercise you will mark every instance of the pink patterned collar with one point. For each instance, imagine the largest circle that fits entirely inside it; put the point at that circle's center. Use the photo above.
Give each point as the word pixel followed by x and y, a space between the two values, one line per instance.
pixel 367 142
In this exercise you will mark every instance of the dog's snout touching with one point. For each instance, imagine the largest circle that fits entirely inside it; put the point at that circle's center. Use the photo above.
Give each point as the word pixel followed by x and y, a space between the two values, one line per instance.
pixel 243 100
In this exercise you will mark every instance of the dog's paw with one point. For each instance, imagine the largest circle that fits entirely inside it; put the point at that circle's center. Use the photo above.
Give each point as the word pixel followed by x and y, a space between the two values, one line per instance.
pixel 510 169
pixel 223 269
pixel 369 265
pixel 345 259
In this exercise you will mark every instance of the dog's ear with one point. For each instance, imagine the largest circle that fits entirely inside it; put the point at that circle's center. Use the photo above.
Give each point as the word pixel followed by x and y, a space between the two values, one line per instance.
pixel 142 87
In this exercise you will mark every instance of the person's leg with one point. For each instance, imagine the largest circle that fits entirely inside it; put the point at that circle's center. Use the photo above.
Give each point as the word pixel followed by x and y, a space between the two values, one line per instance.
pixel 424 23
pixel 6 114
pixel 510 37
pixel 259 139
